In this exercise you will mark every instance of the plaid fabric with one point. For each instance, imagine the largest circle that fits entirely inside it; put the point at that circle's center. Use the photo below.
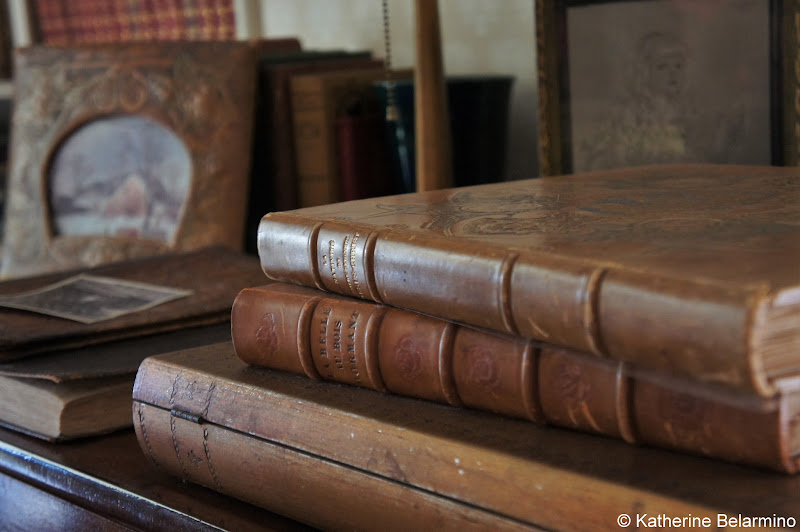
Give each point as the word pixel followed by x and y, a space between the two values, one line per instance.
pixel 98 21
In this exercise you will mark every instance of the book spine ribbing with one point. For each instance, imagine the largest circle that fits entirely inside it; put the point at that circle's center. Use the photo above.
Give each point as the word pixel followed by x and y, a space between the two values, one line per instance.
pixel 392 350
pixel 590 307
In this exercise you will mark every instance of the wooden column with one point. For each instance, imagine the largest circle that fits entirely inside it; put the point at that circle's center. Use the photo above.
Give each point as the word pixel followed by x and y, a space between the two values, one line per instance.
pixel 432 121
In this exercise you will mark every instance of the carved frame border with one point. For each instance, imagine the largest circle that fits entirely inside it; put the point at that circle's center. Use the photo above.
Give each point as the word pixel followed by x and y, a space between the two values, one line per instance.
pixel 204 93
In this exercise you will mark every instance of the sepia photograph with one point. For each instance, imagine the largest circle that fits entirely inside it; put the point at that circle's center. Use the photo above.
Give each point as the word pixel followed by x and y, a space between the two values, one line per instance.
pixel 91 298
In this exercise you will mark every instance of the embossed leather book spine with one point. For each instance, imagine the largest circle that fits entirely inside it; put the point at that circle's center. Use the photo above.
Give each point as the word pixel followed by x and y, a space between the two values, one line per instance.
pixel 329 337
pixel 681 269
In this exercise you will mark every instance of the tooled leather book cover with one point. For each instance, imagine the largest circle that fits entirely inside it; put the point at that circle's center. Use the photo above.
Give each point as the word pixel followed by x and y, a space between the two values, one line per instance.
pixel 209 280
pixel 126 150
pixel 692 269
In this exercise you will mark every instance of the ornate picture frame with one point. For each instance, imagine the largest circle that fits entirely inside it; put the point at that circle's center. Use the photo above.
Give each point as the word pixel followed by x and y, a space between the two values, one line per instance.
pixel 666 81
pixel 127 150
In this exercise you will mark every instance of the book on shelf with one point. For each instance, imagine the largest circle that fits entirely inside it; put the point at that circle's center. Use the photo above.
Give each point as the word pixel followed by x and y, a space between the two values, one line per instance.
pixel 318 99
pixel 86 391
pixel 366 458
pixel 208 281
pixel 274 154
pixel 360 343
pixel 260 197
pixel 365 167
pixel 685 269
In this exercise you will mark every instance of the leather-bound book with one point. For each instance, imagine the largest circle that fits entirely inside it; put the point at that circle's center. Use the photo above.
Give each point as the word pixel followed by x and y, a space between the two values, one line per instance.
pixel 363 156
pixel 275 151
pixel 318 100
pixel 342 457
pixel 86 391
pixel 359 343
pixel 691 270
pixel 209 279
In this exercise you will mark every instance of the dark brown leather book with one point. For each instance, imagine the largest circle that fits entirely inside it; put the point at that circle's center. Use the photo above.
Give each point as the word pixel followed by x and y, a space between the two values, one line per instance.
pixel 321 452
pixel 318 99
pixel 350 341
pixel 277 157
pixel 213 275
pixel 87 391
pixel 363 154
pixel 682 269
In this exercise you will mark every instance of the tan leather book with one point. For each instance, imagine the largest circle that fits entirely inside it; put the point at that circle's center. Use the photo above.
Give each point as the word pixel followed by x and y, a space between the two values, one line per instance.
pixel 684 269
pixel 355 342
pixel 181 433
pixel 87 391
pixel 321 452
pixel 212 276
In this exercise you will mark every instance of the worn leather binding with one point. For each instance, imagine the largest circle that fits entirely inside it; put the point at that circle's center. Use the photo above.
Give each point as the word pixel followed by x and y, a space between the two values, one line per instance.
pixel 686 269
pixel 330 337
pixel 278 440
pixel 183 434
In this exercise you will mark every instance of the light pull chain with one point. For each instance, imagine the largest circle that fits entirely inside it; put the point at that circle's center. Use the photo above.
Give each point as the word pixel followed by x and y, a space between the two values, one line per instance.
pixel 391 102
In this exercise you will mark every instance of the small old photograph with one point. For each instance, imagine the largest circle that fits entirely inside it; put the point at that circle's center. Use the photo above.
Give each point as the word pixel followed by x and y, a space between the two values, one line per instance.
pixel 90 299
pixel 654 81
pixel 124 175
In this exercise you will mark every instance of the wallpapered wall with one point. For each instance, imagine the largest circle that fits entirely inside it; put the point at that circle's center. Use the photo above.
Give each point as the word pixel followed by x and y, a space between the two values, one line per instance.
pixel 478 36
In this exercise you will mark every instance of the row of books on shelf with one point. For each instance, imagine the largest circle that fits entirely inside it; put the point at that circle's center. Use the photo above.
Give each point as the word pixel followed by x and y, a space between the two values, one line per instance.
pixel 398 361
pixel 324 116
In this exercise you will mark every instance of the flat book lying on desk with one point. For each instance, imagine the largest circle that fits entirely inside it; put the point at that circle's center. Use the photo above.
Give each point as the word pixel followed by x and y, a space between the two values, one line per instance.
pixel 342 457
pixel 211 276
pixel 683 269
pixel 86 391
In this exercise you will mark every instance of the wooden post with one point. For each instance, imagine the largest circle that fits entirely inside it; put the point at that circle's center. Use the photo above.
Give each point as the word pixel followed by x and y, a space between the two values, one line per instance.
pixel 432 119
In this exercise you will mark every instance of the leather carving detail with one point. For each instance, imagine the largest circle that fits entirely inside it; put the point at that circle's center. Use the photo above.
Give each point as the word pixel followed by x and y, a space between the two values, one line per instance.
pixel 574 388
pixel 143 428
pixel 173 429
pixel 482 367
pixel 684 421
pixel 408 356
pixel 195 460
pixel 208 457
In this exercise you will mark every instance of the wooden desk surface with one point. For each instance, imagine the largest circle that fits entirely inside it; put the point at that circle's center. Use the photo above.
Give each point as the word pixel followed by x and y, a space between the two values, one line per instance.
pixel 106 483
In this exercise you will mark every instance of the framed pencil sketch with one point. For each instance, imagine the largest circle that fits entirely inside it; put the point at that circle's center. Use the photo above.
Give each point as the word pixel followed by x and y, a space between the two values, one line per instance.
pixel 633 82
pixel 127 150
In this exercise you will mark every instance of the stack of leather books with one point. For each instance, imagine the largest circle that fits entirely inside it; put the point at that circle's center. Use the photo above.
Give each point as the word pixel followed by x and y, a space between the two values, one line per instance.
pixel 400 366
